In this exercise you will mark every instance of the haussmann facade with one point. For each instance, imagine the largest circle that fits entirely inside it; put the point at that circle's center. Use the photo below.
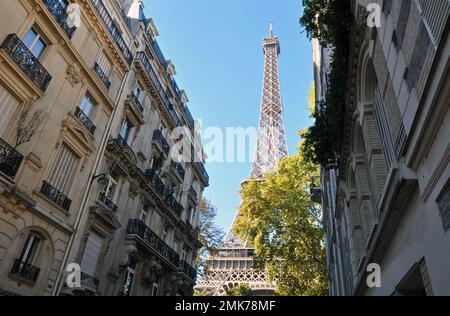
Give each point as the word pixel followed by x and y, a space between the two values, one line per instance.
pixel 90 118
pixel 389 201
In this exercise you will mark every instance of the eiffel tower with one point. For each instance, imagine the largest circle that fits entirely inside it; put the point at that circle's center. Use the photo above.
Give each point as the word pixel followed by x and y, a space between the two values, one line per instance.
pixel 233 265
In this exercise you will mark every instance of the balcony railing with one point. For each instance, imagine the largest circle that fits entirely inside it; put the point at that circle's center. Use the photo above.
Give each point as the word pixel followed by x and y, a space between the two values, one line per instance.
pixel 25 271
pixel 151 239
pixel 173 205
pixel 108 202
pixel 10 159
pixel 158 138
pixel 179 169
pixel 202 169
pixel 188 270
pixel 84 119
pixel 155 182
pixel 113 30
pixel 89 282
pixel 26 61
pixel 56 196
pixel 103 77
pixel 60 15
pixel 137 102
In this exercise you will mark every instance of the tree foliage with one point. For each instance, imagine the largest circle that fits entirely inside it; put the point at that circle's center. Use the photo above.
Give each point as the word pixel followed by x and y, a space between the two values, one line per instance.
pixel 211 235
pixel 329 22
pixel 279 219
pixel 240 290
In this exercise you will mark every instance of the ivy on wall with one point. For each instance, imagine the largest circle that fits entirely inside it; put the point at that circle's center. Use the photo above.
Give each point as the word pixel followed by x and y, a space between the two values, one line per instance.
pixel 329 22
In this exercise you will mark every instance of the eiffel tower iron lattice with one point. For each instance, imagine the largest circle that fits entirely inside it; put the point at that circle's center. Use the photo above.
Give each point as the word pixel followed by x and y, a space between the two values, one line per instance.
pixel 233 265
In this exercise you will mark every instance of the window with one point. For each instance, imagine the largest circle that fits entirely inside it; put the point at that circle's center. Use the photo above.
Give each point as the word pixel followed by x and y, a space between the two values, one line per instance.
pixel 34 42
pixel 137 91
pixel 87 105
pixel 30 248
pixel 184 253
pixel 129 278
pixel 92 254
pixel 104 64
pixel 175 244
pixel 125 130
pixel 165 233
pixel 111 187
pixel 63 171
pixel 8 106
pixel 154 289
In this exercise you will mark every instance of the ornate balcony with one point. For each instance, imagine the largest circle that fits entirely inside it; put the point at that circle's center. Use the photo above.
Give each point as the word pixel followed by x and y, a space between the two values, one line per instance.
pixel 113 30
pixel 10 159
pixel 189 271
pixel 179 169
pixel 56 196
pixel 89 282
pixel 102 76
pixel 155 182
pixel 60 15
pixel 159 140
pixel 173 205
pixel 108 202
pixel 25 271
pixel 151 240
pixel 84 119
pixel 26 61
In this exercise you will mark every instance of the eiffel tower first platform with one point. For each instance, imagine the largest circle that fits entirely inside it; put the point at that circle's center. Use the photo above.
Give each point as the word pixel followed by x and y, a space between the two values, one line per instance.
pixel 233 265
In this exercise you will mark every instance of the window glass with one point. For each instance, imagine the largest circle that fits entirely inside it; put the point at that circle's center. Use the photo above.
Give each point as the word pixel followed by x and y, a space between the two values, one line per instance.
pixel 87 105
pixel 34 42
pixel 29 249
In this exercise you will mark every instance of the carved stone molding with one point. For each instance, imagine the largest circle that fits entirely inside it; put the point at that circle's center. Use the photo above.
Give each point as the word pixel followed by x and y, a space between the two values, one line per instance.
pixel 73 76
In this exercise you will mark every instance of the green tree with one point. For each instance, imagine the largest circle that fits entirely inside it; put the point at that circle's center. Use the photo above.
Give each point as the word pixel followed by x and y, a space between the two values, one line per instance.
pixel 279 219
pixel 240 290
pixel 211 235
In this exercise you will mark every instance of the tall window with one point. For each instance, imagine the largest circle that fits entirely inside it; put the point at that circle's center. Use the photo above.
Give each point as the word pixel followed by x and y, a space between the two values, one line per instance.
pixel 184 252
pixel 129 278
pixel 165 232
pixel 92 254
pixel 8 106
pixel 113 182
pixel 34 41
pixel 64 169
pixel 87 105
pixel 125 131
pixel 154 289
pixel 30 248
pixel 105 64
pixel 137 91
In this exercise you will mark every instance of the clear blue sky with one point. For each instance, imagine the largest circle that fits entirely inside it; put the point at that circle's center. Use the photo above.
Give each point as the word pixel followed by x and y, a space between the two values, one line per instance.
pixel 216 48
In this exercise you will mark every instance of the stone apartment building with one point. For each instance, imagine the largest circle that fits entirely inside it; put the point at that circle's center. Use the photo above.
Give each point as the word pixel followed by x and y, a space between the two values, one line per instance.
pixel 389 201
pixel 90 119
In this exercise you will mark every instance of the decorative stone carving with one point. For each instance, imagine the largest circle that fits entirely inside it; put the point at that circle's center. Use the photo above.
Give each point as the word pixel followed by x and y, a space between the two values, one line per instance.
pixel 129 250
pixel 73 76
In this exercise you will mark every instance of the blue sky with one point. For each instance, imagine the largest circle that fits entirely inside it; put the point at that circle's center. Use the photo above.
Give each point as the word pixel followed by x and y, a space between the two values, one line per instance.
pixel 216 48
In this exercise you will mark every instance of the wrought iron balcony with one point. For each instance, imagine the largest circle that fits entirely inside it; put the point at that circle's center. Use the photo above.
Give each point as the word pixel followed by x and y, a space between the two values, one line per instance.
pixel 26 61
pixel 103 77
pixel 60 15
pixel 56 196
pixel 89 282
pixel 179 169
pixel 203 172
pixel 159 139
pixel 10 159
pixel 155 182
pixel 25 271
pixel 151 239
pixel 84 119
pixel 113 30
pixel 137 102
pixel 174 205
pixel 108 202
pixel 188 270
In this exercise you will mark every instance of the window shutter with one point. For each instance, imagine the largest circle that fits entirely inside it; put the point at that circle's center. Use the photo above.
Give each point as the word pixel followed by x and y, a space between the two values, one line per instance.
pixel 63 171
pixel 8 106
pixel 92 254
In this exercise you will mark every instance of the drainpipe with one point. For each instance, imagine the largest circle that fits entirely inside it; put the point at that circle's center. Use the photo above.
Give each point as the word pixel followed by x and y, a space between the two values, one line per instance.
pixel 59 282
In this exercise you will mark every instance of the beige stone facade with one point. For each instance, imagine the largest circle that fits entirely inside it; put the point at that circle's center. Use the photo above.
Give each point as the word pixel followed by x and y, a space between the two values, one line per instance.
pixel 388 203
pixel 88 174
